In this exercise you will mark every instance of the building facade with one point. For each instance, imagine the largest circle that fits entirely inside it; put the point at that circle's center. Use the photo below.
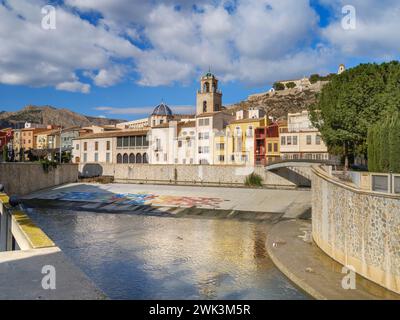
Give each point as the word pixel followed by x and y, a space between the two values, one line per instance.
pixel 301 140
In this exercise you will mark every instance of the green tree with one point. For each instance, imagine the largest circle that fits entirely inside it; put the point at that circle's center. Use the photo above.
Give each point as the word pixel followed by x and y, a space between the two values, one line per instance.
pixel 5 153
pixel 352 102
pixel 290 85
pixel 314 78
pixel 278 86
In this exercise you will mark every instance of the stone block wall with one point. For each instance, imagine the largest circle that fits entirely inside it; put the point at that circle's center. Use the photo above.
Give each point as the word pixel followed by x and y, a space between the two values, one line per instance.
pixel 182 174
pixel 357 228
pixel 24 178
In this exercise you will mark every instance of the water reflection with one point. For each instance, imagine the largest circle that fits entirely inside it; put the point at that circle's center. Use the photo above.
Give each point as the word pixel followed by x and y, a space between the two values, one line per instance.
pixel 143 257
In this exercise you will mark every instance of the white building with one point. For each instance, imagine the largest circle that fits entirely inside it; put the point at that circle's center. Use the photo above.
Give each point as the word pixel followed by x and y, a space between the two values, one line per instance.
pixel 301 140
pixel 189 140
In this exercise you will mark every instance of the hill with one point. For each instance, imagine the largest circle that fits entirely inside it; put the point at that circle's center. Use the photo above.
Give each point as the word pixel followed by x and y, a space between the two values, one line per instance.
pixel 50 115
pixel 280 103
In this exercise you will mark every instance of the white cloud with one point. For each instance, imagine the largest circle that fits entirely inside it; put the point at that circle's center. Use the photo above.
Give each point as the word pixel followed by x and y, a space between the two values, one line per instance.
pixel 255 41
pixel 74 86
pixel 145 110
pixel 30 55
pixel 376 35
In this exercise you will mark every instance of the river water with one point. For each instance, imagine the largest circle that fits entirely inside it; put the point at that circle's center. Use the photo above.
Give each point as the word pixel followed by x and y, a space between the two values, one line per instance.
pixel 145 257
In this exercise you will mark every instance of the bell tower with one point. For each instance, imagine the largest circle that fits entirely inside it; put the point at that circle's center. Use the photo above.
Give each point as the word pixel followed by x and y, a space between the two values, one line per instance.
pixel 209 97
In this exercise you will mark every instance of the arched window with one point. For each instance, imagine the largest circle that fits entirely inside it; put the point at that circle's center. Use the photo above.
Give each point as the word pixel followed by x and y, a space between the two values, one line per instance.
pixel 125 158
pixel 138 158
pixel 145 158
pixel 131 158
pixel 119 158
pixel 204 106
pixel 206 87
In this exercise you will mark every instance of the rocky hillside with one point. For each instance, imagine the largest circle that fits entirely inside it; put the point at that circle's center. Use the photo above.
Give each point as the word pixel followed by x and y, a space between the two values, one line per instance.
pixel 50 115
pixel 280 103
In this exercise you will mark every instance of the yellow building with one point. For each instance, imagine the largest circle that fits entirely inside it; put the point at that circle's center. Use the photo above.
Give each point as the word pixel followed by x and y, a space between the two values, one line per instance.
pixel 236 146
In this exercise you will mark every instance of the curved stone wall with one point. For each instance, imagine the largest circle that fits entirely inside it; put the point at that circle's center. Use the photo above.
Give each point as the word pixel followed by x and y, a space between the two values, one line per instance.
pixel 357 228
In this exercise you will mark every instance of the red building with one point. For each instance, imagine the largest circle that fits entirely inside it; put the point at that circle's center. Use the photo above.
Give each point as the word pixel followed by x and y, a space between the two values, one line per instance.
pixel 266 142
pixel 5 137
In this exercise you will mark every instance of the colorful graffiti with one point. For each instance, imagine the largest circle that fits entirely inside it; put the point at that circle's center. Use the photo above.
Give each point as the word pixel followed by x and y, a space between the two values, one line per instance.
pixel 140 199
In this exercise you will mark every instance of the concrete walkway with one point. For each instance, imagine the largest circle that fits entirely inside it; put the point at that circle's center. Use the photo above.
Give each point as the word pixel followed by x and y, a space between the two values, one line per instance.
pixel 21 277
pixel 291 248
pixel 243 199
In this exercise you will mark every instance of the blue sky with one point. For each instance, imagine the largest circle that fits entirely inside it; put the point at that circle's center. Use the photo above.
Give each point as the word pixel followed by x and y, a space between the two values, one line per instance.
pixel 120 58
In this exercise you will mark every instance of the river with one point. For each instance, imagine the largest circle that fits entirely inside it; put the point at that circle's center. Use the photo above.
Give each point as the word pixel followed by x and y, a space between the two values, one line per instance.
pixel 132 256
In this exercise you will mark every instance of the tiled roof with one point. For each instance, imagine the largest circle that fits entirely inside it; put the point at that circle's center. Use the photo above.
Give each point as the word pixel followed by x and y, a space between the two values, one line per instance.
pixel 113 134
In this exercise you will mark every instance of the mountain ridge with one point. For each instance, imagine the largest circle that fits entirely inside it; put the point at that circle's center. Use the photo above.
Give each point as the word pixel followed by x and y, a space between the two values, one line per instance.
pixel 49 115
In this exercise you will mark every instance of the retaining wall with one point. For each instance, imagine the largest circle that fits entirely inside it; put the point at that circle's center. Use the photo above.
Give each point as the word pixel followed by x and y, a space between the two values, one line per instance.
pixel 24 178
pixel 182 174
pixel 357 228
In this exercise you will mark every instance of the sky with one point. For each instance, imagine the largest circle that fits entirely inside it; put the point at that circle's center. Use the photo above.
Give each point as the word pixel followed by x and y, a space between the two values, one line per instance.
pixel 121 58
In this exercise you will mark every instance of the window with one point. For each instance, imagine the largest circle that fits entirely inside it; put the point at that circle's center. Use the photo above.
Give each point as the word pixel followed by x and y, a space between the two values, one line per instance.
pixel 119 142
pixel 269 147
pixel 125 158
pixel 126 142
pixel 139 141
pixel 180 144
pixel 77 146
pixel 161 121
pixel 85 147
pixel 132 158
pixel 318 140
pixel 85 157
pixel 283 141
pixel 289 140
pixel 221 146
pixel 145 158
pixel 204 135
pixel 96 146
pixel 249 131
pixel 295 140
pixel 204 149
pixel 221 158
pixel 275 147
pixel 204 122
pixel 96 157
pixel 132 142
pixel 204 106
pixel 308 139
pixel 108 157
pixel 119 158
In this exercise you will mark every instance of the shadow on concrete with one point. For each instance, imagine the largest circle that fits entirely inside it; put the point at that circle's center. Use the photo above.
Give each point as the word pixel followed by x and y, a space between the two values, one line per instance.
pixel 91 170
pixel 293 177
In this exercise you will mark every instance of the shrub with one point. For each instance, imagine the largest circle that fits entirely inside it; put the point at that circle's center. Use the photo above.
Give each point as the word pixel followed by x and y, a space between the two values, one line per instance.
pixel 290 85
pixel 253 180
pixel 278 86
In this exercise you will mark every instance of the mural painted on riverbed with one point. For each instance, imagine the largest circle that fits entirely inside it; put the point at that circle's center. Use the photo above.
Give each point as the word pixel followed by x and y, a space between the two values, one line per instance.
pixel 138 199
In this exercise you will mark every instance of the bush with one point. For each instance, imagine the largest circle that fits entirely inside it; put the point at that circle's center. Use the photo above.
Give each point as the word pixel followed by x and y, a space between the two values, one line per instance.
pixel 47 165
pixel 253 180
pixel 278 86
pixel 290 85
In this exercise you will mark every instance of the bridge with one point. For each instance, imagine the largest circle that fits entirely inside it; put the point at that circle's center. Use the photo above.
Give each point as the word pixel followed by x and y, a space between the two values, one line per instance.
pixel 297 171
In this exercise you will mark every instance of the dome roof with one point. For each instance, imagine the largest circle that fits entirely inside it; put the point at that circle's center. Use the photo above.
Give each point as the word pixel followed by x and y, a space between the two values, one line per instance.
pixel 162 110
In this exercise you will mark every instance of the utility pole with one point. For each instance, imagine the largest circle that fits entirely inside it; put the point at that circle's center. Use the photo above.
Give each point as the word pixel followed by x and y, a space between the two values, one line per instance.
pixel 60 146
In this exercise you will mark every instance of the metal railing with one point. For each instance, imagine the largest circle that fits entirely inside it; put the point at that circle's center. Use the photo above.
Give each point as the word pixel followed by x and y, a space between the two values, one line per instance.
pixel 17 230
pixel 7 242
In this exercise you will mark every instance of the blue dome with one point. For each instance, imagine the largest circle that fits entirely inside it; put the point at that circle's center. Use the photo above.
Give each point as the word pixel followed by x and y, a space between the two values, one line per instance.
pixel 162 110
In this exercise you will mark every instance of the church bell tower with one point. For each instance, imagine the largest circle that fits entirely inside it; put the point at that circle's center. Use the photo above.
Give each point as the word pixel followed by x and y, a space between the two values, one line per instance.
pixel 209 97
